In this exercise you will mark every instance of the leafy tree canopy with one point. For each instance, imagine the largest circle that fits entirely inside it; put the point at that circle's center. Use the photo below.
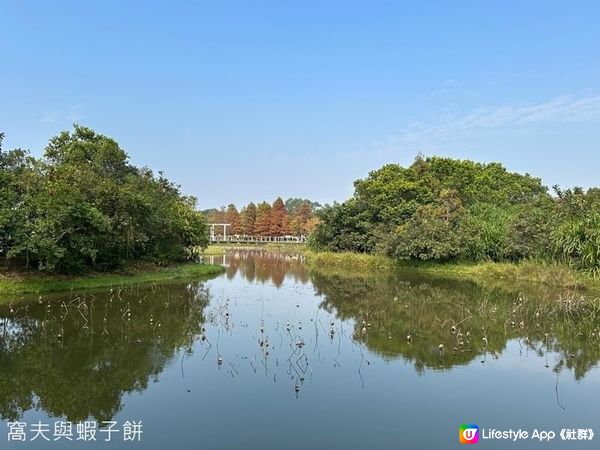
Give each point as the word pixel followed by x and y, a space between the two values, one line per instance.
pixel 85 206
pixel 447 209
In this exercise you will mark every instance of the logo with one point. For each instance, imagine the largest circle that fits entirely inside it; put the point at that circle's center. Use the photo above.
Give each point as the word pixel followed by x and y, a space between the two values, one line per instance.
pixel 468 434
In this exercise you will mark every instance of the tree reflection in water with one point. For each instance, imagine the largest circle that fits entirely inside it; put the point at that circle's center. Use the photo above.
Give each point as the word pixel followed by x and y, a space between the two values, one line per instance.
pixel 440 323
pixel 76 356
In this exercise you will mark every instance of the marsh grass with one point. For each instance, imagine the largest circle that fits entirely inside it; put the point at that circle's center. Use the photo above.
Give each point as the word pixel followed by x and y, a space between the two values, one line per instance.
pixel 30 282
pixel 347 261
pixel 517 273
pixel 521 272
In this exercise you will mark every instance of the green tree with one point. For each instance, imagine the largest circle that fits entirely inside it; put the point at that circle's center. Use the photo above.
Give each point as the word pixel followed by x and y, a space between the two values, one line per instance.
pixel 433 230
pixel 85 206
pixel 293 204
pixel 403 211
pixel 345 227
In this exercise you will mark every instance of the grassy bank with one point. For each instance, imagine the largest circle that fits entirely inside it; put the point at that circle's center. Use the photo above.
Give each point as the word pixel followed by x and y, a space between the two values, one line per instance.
pixel 26 283
pixel 518 273
pixel 521 272
pixel 540 272
pixel 346 261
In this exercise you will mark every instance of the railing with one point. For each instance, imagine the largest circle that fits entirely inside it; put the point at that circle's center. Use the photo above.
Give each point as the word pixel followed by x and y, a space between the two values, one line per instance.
pixel 241 239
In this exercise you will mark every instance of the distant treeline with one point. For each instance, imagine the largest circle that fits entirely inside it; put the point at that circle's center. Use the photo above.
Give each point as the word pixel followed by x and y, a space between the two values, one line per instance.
pixel 295 217
pixel 84 206
pixel 444 209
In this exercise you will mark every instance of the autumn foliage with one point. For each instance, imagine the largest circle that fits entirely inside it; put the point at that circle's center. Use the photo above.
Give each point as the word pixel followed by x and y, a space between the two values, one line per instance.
pixel 295 217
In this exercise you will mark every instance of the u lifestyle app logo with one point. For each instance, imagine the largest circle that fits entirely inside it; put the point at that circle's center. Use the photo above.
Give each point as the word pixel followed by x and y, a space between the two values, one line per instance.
pixel 468 434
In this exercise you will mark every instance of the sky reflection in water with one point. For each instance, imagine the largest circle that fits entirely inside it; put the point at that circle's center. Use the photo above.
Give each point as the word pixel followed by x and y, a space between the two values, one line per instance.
pixel 274 355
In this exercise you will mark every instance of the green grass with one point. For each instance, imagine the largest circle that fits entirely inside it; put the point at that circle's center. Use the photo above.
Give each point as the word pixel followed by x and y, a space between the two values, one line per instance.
pixel 27 283
pixel 347 261
pixel 552 274
pixel 514 272
pixel 214 250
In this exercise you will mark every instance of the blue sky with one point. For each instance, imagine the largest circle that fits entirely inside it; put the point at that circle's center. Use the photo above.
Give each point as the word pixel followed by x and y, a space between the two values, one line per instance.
pixel 240 101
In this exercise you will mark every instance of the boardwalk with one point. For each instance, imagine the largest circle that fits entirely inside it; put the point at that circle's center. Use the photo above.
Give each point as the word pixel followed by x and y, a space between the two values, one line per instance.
pixel 245 239
pixel 239 239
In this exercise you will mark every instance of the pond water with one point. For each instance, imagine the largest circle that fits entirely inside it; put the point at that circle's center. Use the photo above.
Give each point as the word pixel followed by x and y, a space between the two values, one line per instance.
pixel 273 355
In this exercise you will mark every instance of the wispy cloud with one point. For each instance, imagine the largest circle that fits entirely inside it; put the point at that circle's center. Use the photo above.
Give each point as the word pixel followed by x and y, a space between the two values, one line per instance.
pixel 560 110
pixel 70 113
pixel 452 87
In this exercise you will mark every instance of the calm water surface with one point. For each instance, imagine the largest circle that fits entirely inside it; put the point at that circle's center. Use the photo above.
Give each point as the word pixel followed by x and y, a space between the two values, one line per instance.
pixel 272 355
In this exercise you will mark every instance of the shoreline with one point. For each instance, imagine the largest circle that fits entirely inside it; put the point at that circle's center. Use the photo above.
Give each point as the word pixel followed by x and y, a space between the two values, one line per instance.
pixel 528 271
pixel 31 283
pixel 518 273
pixel 348 263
